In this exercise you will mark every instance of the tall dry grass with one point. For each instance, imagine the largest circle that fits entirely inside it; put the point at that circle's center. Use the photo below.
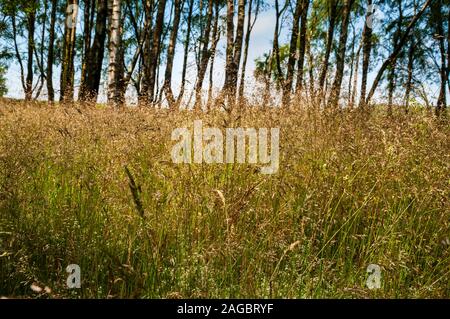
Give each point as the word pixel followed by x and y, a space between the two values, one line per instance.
pixel 352 190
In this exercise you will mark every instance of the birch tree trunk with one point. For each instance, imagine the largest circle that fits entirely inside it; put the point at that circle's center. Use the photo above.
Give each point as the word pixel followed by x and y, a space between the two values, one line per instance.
pixel 230 47
pixel 114 54
pixel 234 49
pixel 68 69
pixel 238 43
pixel 50 54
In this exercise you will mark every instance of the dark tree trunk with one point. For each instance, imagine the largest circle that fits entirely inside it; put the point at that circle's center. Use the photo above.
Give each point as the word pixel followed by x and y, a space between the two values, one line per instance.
pixel 367 48
pixel 391 84
pixel 68 68
pixel 16 50
pixel 329 45
pixel 238 42
pixel 287 88
pixel 392 76
pixel 448 50
pixel 436 9
pixel 155 49
pixel 40 57
pixel 96 54
pixel 31 25
pixel 310 71
pixel 146 66
pixel 230 45
pixel 340 58
pixel 276 45
pixel 167 87
pixel 302 48
pixel 408 88
pixel 88 21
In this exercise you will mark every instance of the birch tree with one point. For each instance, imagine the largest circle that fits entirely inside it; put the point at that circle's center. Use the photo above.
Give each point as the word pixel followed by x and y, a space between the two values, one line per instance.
pixel 115 60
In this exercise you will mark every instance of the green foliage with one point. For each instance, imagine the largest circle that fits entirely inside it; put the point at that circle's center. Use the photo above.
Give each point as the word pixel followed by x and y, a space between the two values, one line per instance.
pixel 267 64
pixel 3 84
pixel 5 57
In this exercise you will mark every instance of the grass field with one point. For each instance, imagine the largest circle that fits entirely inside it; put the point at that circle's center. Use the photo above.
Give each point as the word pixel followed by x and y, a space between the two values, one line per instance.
pixel 352 190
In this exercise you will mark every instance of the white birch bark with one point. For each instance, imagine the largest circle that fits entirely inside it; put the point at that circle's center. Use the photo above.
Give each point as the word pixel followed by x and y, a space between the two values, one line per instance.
pixel 113 48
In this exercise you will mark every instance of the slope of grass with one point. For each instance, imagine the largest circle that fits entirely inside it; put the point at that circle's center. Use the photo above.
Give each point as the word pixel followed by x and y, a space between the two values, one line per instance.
pixel 352 190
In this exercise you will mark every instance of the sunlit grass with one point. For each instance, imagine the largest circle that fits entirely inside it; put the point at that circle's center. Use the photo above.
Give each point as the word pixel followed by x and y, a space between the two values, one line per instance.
pixel 352 190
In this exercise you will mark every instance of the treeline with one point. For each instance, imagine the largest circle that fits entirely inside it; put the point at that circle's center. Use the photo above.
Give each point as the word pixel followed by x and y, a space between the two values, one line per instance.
pixel 326 52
